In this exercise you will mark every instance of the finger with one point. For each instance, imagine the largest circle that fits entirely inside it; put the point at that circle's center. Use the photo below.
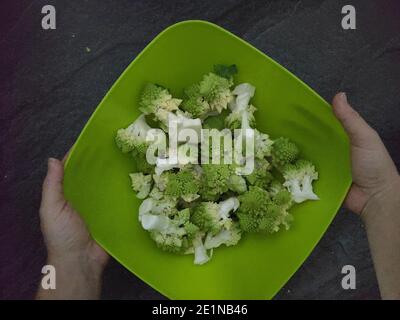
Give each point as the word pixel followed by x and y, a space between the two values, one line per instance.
pixel 52 192
pixel 359 132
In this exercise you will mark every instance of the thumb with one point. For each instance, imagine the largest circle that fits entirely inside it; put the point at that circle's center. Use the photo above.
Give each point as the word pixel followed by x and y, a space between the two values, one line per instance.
pixel 52 191
pixel 359 132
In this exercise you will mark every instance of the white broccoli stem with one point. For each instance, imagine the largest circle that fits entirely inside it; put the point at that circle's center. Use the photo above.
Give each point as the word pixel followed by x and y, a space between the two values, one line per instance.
pixel 215 241
pixel 226 206
pixel 301 191
pixel 293 187
pixel 244 92
pixel 155 222
pixel 308 189
pixel 200 252
pixel 145 207
pixel 140 127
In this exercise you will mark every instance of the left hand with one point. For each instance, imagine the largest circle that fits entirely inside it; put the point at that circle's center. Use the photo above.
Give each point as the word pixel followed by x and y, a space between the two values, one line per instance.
pixel 78 259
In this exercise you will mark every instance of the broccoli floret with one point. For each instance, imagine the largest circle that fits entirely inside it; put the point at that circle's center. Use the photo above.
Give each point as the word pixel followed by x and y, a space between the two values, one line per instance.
pixel 165 206
pixel 173 234
pixel 228 237
pixel 141 184
pixel 234 119
pixel 194 103
pixel 271 218
pixel 184 184
pixel 283 152
pixel 237 183
pixel 156 193
pixel 216 91
pixel 211 216
pixel 240 108
pixel 262 144
pixel 174 239
pixel 253 205
pixel 200 251
pixel 275 186
pixel 134 136
pixel 283 198
pixel 157 100
pixel 259 213
pixel 261 176
pixel 206 216
pixel 298 180
pixel 141 162
pixel 170 242
pixel 214 180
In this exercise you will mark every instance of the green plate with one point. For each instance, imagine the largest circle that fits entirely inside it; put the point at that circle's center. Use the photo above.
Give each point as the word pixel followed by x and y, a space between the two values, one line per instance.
pixel 97 183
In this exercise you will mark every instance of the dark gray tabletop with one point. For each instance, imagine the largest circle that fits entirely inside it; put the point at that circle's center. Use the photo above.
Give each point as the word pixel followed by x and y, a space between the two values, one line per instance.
pixel 51 81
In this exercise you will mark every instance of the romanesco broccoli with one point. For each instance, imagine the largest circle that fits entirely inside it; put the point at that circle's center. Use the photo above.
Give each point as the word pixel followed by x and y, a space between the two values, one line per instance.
pixel 298 180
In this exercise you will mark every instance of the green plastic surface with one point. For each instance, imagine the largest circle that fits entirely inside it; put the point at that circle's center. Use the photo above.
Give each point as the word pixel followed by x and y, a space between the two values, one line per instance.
pixel 98 186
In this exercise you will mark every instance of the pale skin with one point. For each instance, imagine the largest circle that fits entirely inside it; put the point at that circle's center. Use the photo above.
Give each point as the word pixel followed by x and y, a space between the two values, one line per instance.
pixel 79 261
pixel 374 196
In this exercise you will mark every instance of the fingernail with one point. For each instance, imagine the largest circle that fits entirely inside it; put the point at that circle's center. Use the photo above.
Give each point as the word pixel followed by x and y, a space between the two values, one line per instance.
pixel 343 96
pixel 50 161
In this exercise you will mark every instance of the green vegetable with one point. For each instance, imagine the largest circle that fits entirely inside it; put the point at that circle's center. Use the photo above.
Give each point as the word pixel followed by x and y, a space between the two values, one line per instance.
pixel 134 136
pixel 141 184
pixel 183 184
pixel 196 205
pixel 298 180
pixel 283 152
pixel 216 91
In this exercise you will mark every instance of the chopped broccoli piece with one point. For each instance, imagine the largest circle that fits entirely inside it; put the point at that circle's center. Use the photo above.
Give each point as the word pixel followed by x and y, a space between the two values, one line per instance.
pixel 141 162
pixel 184 184
pixel 134 136
pixel 283 152
pixel 211 216
pixel 216 91
pixel 237 184
pixel 262 145
pixel 195 104
pixel 200 251
pixel 141 184
pixel 228 237
pixel 298 179
pixel 261 176
pixel 259 213
pixel 157 100
pixel 240 108
pixel 214 181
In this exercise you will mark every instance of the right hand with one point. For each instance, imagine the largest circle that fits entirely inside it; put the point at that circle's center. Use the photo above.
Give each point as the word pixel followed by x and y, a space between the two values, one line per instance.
pixel 373 170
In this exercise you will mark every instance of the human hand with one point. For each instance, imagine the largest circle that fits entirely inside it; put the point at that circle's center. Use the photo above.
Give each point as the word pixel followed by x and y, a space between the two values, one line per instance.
pixel 374 173
pixel 78 259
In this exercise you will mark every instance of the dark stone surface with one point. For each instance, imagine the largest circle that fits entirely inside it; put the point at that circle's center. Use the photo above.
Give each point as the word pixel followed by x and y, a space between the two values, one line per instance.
pixel 50 84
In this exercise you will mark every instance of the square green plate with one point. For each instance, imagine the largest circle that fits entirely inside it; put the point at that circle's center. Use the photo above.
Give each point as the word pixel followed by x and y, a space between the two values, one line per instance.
pixel 97 183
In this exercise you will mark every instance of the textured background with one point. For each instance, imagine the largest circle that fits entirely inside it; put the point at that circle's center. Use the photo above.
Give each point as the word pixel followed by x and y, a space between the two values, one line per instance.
pixel 51 81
